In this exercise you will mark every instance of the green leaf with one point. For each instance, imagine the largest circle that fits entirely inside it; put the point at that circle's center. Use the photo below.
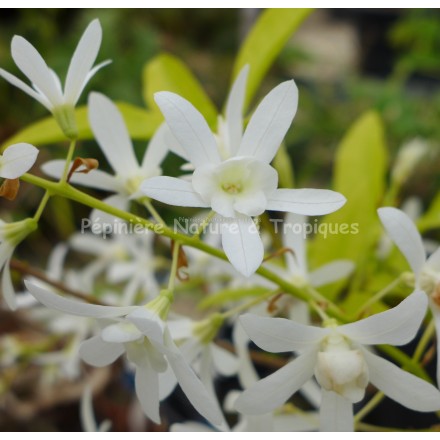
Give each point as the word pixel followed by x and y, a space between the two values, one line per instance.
pixel 141 125
pixel 431 218
pixel 227 295
pixel 167 73
pixel 264 42
pixel 359 174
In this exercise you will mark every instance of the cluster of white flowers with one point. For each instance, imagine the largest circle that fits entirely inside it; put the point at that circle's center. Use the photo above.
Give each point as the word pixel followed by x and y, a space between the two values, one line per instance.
pixel 166 345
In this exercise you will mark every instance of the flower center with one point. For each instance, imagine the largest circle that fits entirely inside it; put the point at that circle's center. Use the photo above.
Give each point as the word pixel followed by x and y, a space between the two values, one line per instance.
pixel 232 188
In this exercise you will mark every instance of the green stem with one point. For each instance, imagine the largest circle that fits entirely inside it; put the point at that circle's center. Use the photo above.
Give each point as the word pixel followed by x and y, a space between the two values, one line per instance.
pixel 372 403
pixel 249 304
pixel 152 210
pixel 41 206
pixel 204 223
pixel 174 267
pixel 69 157
pixel 424 341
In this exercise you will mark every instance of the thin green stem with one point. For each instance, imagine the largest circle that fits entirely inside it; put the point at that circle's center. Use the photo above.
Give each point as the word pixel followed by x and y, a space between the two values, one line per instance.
pixel 41 206
pixel 424 341
pixel 69 157
pixel 379 295
pixel 318 309
pixel 249 304
pixel 204 223
pixel 372 403
pixel 152 210
pixel 174 266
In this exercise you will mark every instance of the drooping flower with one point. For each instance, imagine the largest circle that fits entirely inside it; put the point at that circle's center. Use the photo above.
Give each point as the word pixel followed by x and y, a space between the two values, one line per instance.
pixel 46 85
pixel 142 333
pixel 112 135
pixel 243 185
pixel 341 362
pixel 405 235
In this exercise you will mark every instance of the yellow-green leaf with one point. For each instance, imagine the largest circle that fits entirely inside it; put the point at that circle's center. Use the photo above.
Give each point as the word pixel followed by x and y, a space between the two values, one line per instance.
pixel 141 125
pixel 359 174
pixel 431 218
pixel 167 73
pixel 268 36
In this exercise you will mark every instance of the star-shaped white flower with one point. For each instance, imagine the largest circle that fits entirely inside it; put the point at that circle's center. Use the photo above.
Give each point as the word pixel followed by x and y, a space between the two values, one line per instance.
pixel 139 332
pixel 405 235
pixel 112 135
pixel 46 85
pixel 243 185
pixel 341 363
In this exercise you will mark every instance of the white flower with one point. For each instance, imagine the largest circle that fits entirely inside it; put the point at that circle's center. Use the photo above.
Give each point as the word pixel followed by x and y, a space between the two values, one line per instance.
pixel 342 365
pixel 47 87
pixel 244 185
pixel 426 270
pixel 17 160
pixel 11 235
pixel 144 336
pixel 112 135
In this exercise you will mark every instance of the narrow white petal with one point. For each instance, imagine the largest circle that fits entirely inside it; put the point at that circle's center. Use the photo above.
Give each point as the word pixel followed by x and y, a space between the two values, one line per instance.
pixel 436 316
pixel 401 386
pixel 7 286
pixel 35 68
pixel 98 353
pixel 433 261
pixel 17 160
pixel 74 307
pixel 112 135
pixel 167 383
pixel 234 110
pixel 191 384
pixel 93 71
pixel 156 151
pixel 189 127
pixel 336 413
pixel 405 235
pixel 312 392
pixel 148 323
pixel 270 122
pixel 278 335
pixel 301 422
pixel 305 201
pixel 396 326
pixel 26 89
pixel 271 392
pixel 334 271
pixel 224 361
pixel 94 179
pixel 242 244
pixel 120 333
pixel 88 422
pixel 172 191
pixel 82 61
pixel 147 389
pixel 295 240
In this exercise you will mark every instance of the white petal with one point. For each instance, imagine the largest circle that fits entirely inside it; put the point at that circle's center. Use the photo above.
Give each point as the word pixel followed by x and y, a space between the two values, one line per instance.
pixel 312 392
pixel 167 383
pixel 88 422
pixel 251 205
pixel 336 413
pixel 303 421
pixel 234 110
pixel 401 386
pixel 82 61
pixel 26 89
pixel 17 160
pixel 433 261
pixel 74 307
pixel 93 71
pixel 225 362
pixel 98 353
pixel 278 335
pixel 112 135
pixel 436 316
pixel 242 244
pixel 120 333
pixel 191 384
pixel 272 391
pixel 270 122
pixel 156 151
pixel 148 323
pixel 189 127
pixel 222 204
pixel 294 239
pixel 35 68
pixel 305 201
pixel 334 271
pixel 7 286
pixel 108 222
pixel 396 326
pixel 404 233
pixel 94 179
pixel 172 191
pixel 121 271
pixel 147 389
